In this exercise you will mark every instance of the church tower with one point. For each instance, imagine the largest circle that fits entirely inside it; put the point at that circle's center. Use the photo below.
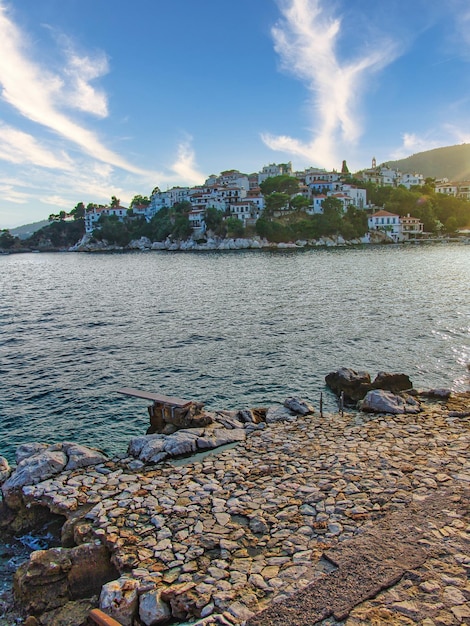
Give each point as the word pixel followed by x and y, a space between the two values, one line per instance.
pixel 374 163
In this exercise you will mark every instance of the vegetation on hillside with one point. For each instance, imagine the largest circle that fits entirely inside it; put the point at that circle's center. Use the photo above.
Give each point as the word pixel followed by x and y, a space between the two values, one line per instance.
pixel 452 162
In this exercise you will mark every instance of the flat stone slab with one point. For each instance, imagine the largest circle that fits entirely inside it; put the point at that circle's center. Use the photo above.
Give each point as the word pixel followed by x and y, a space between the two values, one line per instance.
pixel 366 565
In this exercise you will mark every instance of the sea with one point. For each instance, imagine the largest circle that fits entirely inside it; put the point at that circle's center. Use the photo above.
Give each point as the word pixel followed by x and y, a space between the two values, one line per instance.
pixel 235 330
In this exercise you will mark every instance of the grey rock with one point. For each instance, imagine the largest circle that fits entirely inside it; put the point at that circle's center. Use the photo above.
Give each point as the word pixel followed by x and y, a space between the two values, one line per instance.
pixel 152 609
pixel 29 449
pixel 181 442
pixel 301 407
pixel 382 401
pixel 392 382
pixel 82 456
pixel 354 384
pixel 36 468
pixel 278 414
pixel 119 599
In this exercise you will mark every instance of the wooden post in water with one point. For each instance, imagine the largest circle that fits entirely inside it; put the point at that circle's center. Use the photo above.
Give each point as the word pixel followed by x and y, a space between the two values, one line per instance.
pixel 341 403
pixel 321 404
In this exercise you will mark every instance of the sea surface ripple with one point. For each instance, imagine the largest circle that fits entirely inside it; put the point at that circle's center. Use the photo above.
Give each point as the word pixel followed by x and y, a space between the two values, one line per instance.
pixel 232 329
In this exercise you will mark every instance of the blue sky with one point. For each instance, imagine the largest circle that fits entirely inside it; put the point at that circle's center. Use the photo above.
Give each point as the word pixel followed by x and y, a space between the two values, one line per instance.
pixel 112 97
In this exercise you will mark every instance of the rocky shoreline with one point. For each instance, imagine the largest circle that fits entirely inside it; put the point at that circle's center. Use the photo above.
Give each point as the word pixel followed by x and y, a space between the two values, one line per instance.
pixel 219 539
pixel 87 244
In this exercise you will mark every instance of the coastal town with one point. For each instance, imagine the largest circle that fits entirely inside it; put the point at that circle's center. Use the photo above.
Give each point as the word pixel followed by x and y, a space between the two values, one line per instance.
pixel 274 207
pixel 240 196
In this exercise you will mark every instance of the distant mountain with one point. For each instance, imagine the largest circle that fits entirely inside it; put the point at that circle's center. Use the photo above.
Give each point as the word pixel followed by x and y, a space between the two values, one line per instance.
pixel 23 232
pixel 452 162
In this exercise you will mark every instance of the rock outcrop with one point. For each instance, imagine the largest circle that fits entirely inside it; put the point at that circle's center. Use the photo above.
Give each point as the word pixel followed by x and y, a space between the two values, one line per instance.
pixel 38 462
pixel 53 577
pixel 380 401
pixel 354 385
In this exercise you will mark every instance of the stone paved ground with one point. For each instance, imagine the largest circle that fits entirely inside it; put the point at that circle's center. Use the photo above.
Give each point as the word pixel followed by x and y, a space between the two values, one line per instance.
pixel 250 525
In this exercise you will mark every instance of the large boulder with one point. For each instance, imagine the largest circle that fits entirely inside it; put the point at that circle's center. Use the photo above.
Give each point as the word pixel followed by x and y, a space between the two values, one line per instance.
pixel 82 456
pixel 26 450
pixel 354 384
pixel 382 401
pixel 51 578
pixel 152 609
pixel 392 382
pixel 278 414
pixel 34 469
pixel 298 406
pixel 119 599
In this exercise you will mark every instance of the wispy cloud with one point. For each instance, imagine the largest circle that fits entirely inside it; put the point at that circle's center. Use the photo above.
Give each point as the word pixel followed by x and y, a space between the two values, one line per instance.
pixel 413 143
pixel 38 94
pixel 306 40
pixel 18 147
pixel 185 166
pixel 445 135
pixel 80 72
pixel 11 194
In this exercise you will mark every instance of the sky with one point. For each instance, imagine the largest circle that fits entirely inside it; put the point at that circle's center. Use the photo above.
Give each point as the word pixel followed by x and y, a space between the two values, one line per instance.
pixel 102 98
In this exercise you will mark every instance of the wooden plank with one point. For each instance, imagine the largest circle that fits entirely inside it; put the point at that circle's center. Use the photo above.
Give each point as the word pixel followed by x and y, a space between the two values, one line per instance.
pixel 154 397
pixel 102 619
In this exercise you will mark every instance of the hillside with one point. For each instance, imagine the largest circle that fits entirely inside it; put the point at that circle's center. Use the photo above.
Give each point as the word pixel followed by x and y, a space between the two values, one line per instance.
pixel 23 232
pixel 452 162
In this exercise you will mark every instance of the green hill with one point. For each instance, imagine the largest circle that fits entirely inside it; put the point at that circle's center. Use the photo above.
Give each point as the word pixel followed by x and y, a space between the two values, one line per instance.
pixel 23 232
pixel 452 162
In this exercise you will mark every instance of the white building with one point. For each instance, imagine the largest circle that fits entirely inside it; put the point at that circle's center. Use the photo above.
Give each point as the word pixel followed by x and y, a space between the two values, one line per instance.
pixel 93 215
pixel 274 169
pixel 411 180
pixel 388 223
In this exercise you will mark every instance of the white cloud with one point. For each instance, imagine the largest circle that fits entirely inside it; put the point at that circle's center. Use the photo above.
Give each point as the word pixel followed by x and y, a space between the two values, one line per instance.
pixel 305 39
pixel 446 135
pixel 19 147
pixel 37 94
pixel 81 94
pixel 10 194
pixel 56 200
pixel 185 166
pixel 413 143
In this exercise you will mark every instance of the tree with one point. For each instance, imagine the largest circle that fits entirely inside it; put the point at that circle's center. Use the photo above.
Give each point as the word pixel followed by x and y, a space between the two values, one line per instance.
pixel 78 211
pixel 7 240
pixel 331 220
pixel 213 219
pixel 235 227
pixel 139 201
pixel 113 230
pixel 276 202
pixel 299 203
pixel 451 225
pixel 280 184
pixel 115 202
pixel 182 228
pixel 183 208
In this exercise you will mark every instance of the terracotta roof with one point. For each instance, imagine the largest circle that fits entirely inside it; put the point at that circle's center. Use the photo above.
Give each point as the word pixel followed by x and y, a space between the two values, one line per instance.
pixel 383 213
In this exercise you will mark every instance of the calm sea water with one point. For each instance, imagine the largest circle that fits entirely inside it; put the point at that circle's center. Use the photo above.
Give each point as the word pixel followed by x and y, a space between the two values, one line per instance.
pixel 234 330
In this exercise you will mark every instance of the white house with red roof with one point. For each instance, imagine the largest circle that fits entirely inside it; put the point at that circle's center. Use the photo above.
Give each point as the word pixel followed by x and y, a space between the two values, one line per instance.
pixel 387 222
